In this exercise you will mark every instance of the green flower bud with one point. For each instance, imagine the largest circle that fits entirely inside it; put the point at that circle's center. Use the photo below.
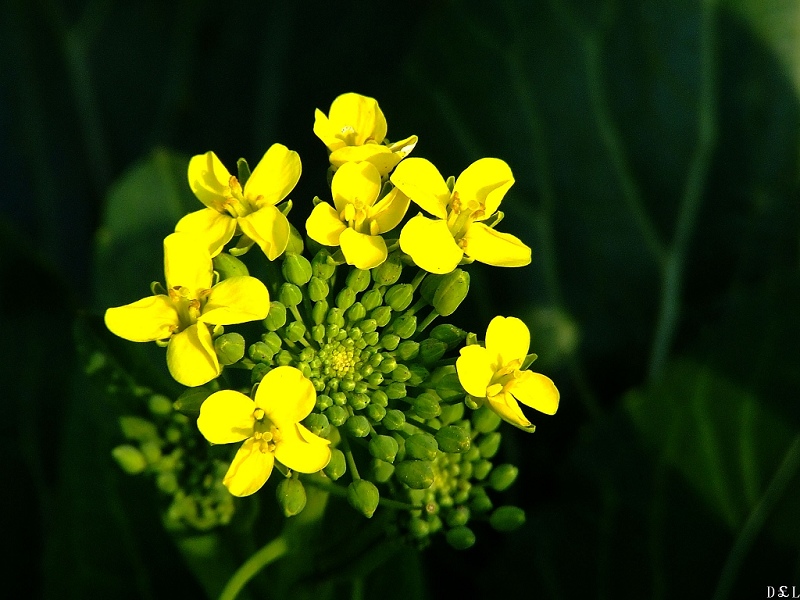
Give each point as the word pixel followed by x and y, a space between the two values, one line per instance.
pixel 318 424
pixel 426 405
pixel 295 245
pixel 388 364
pixel 337 415
pixel 229 266
pixel 151 450
pixel 296 269
pixel 453 439
pixel 431 350
pixel 428 288
pixel 318 289
pixel 421 446
pixel 363 496
pixel 503 476
pixel 356 312
pixel 407 350
pixel 290 294
pixel 458 517
pixel 480 501
pixel 345 298
pixel 273 340
pixel 418 374
pixel 358 280
pixel 382 314
pixel 372 338
pixel 335 317
pixel 260 352
pixel 258 372
pixel 395 390
pixel 229 348
pixel 136 428
pixel 167 482
pixel 295 331
pixel 276 318
pixel 401 373
pixel 416 474
pixel 159 405
pixel 485 420
pixel 130 459
pixel 405 326
pixel 388 272
pixel 375 413
pixel 451 413
pixel 381 471
pixel 372 299
pixel 358 426
pixel 339 398
pixel 284 358
pixel 418 528
pixel 318 333
pixel 507 518
pixel 394 420
pixel 375 378
pixel 367 325
pixel 460 538
pixel 481 469
pixel 319 312
pixel 383 447
pixel 358 400
pixel 291 496
pixel 337 465
pixel 451 291
pixel 323 265
pixel 347 384
pixel 323 402
pixel 490 444
pixel 399 296
pixel 380 398
pixel 449 334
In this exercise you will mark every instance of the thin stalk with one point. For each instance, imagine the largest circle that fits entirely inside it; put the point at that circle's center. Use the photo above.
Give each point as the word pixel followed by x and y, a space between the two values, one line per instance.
pixel 253 565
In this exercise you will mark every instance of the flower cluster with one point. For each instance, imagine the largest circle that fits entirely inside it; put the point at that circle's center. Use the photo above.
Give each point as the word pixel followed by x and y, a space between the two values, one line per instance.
pixel 348 386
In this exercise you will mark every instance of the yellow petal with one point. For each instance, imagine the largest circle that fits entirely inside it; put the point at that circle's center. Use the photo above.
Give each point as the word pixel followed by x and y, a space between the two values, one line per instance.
pixel 418 179
pixel 508 409
pixel 492 247
pixel 269 229
pixel 355 183
pixel 250 469
pixel 535 390
pixel 486 181
pixel 404 147
pixel 214 228
pixel 376 154
pixel 236 300
pixel 226 417
pixel 191 358
pixel 362 250
pixel 360 115
pixel 146 320
pixel 302 451
pixel 324 131
pixel 507 339
pixel 324 225
pixel 286 396
pixel 388 213
pixel 430 244
pixel 475 370
pixel 187 263
pixel 274 177
pixel 209 179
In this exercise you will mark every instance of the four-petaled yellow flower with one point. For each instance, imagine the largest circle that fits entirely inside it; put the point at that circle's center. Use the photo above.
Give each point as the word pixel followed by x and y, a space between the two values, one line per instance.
pixel 250 210
pixel 493 373
pixel 354 131
pixel 439 245
pixel 183 315
pixel 357 221
pixel 270 427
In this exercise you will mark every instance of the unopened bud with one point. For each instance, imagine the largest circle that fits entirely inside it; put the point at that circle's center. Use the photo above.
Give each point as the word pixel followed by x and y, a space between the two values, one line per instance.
pixel 372 299
pixel 451 292
pixel 388 272
pixel 276 317
pixel 337 465
pixel 229 266
pixel 399 296
pixel 421 446
pixel 381 471
pixel 394 420
pixel 485 420
pixel 416 474
pixel 358 426
pixel 318 289
pixel 189 402
pixel 318 424
pixel 319 312
pixel 407 350
pixel 382 314
pixel 383 447
pixel 405 326
pixel 290 294
pixel 358 280
pixel 426 405
pixel 159 405
pixel 229 348
pixel 261 352
pixel 507 518
pixel 503 476
pixel 356 312
pixel 323 265
pixel 363 496
pixel 345 298
pixel 296 269
pixel 136 428
pixel 449 334
pixel 431 350
pixel 451 413
pixel 460 538
pixel 453 439
pixel 291 496
pixel 295 331
pixel 490 444
pixel 130 459
pixel 458 517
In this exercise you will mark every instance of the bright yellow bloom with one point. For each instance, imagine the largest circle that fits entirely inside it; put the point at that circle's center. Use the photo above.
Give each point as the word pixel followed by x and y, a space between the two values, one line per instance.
pixel 439 245
pixel 493 373
pixel 250 210
pixel 270 427
pixel 183 315
pixel 357 221
pixel 354 131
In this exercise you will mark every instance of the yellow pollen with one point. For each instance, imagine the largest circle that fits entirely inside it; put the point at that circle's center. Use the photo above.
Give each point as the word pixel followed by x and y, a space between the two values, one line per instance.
pixel 258 414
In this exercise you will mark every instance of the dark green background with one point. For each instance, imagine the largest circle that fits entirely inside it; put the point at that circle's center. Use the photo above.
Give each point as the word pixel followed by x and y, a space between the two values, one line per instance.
pixel 655 148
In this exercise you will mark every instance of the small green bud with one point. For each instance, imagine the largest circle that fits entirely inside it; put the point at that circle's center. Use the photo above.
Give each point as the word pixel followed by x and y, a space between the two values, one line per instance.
pixel 335 317
pixel 159 405
pixel 318 424
pixel 490 444
pixel 380 398
pixel 295 244
pixel 451 413
pixel 229 348
pixel 485 420
pixel 418 528
pixel 229 266
pixel 323 265
pixel 503 476
pixel 428 288
pixel 258 372
pixel 372 299
pixel 151 450
pixel 371 339
pixel 375 378
pixel 460 538
pixel 318 289
pixel 136 428
pixel 395 390
pixel 273 340
pixel 284 358
pixel 130 459
pixel 296 269
pixel 363 496
pixel 388 364
pixel 388 272
pixel 422 446
pixel 507 518
pixel 290 294
pixel 431 350
pixel 345 298
pixel 401 373
pixel 319 312
pixel 318 333
pixel 356 312
pixel 416 474
pixel 418 374
pixel 367 325
pixel 383 447
pixel 405 326
pixel 458 517
pixel 381 471
pixel 449 334
pixel 346 384
pixel 480 501
pixel 261 352
pixel 382 314
pixel 337 465
pixel 295 331
pixel 291 496
pixel 407 350
pixel 481 469
pixel 323 402
pixel 276 318
pixel 399 296
pixel 451 291
pixel 358 400
pixel 167 482
pixel 453 439
pixel 426 405
pixel 358 426
pixel 375 413
pixel 358 280
pixel 394 420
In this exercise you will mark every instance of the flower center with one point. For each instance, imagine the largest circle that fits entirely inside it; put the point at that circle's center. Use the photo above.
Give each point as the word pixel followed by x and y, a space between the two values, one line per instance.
pixel 462 214
pixel 186 305
pixel 348 135
pixel 355 215
pixel 264 432
pixel 235 203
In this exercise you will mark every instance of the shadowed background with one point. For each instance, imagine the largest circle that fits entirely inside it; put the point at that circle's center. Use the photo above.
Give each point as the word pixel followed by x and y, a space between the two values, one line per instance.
pixel 655 148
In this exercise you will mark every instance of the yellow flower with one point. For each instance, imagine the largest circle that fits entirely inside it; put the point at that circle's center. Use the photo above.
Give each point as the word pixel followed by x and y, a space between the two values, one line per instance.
pixel 183 314
pixel 357 221
pixel 439 245
pixel 493 373
pixel 354 131
pixel 250 210
pixel 270 427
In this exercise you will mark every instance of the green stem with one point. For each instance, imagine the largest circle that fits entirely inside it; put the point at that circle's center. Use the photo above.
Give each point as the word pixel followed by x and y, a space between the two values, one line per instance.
pixel 427 321
pixel 418 279
pixel 348 455
pixel 253 565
